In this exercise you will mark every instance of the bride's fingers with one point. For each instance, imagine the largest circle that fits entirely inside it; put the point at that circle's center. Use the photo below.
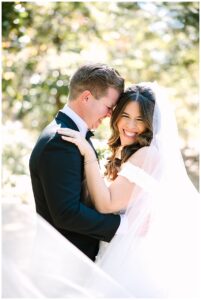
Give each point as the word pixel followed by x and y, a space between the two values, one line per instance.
pixel 67 131
pixel 64 130
pixel 69 139
pixel 72 135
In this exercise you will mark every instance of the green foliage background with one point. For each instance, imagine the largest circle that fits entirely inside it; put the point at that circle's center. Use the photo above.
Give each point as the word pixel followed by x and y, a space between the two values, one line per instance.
pixel 44 43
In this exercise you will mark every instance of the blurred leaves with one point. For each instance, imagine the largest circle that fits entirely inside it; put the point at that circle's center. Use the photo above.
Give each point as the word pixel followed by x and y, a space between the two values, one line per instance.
pixel 44 43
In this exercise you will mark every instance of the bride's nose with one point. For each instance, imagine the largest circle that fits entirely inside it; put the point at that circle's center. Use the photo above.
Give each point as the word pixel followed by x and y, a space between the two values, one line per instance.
pixel 131 123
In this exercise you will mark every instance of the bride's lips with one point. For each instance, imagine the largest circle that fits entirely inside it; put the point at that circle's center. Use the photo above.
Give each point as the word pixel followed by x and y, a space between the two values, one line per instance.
pixel 129 134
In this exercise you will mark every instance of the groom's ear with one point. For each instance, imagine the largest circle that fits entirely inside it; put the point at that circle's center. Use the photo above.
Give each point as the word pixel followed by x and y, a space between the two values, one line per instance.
pixel 84 96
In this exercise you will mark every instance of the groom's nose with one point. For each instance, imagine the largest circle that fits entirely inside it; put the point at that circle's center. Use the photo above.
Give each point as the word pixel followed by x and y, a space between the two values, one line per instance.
pixel 109 113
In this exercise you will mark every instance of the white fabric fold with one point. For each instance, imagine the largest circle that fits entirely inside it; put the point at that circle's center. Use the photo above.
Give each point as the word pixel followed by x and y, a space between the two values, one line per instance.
pixel 138 176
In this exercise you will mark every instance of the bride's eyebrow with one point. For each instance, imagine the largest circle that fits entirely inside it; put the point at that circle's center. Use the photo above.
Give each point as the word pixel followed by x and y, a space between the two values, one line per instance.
pixel 127 114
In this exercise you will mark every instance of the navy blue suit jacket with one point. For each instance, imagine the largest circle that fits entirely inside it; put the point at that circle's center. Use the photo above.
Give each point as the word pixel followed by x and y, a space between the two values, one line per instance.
pixel 56 169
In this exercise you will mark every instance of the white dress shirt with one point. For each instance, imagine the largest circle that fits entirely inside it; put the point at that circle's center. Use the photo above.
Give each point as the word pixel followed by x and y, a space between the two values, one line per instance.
pixel 81 124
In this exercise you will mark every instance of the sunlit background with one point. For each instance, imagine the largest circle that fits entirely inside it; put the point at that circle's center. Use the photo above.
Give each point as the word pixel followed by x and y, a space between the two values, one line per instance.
pixel 44 43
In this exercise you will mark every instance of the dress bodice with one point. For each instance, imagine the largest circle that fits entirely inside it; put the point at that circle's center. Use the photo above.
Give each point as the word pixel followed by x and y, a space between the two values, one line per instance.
pixel 135 175
pixel 138 176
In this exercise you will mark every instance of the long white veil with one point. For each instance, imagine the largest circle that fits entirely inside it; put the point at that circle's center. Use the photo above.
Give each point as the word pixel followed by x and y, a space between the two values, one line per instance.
pixel 161 252
pixel 158 257
pixel 38 262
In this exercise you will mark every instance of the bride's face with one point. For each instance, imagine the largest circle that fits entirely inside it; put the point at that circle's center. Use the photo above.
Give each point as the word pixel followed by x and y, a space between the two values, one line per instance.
pixel 130 124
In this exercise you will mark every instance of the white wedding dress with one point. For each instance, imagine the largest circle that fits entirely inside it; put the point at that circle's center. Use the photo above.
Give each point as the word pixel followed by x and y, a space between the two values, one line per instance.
pixel 158 257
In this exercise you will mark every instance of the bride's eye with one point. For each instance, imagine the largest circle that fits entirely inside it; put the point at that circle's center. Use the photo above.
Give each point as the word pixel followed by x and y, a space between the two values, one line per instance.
pixel 125 115
pixel 139 120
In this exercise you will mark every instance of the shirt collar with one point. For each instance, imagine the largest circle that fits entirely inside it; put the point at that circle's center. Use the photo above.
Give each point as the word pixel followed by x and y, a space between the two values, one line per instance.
pixel 81 124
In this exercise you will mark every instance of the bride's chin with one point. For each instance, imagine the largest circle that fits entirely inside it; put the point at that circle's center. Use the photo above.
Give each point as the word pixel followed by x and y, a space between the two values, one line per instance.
pixel 126 143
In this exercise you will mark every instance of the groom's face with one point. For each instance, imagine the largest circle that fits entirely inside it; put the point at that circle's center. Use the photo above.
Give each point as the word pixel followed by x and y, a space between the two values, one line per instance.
pixel 101 108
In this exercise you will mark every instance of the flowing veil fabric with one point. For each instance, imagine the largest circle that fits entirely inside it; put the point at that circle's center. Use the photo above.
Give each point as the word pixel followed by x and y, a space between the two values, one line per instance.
pixel 38 262
pixel 160 254
pixel 159 257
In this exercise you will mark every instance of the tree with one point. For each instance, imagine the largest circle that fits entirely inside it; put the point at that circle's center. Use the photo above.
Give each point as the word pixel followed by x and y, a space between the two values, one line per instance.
pixel 43 44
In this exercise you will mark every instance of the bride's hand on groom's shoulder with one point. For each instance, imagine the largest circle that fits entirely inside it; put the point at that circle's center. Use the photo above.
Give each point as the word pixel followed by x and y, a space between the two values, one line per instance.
pixel 76 138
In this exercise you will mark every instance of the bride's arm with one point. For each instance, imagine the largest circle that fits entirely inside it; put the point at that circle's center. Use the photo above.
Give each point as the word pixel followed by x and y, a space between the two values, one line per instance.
pixel 106 199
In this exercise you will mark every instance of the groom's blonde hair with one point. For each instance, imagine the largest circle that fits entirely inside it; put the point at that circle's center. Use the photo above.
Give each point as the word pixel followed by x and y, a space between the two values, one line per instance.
pixel 96 78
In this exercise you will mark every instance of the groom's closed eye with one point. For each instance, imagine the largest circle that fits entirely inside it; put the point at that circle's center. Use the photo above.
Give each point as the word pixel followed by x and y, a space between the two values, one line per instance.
pixel 109 107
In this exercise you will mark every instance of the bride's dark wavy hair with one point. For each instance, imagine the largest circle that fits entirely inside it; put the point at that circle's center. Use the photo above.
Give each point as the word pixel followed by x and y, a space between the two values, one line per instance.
pixel 145 97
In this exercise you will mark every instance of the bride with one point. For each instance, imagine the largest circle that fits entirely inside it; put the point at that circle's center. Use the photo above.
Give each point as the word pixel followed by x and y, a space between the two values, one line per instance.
pixel 159 256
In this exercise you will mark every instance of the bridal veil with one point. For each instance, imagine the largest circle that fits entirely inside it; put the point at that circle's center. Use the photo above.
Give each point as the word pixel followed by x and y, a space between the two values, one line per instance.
pixel 159 257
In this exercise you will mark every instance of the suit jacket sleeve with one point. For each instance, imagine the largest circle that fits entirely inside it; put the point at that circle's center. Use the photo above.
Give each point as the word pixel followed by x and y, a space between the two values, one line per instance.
pixel 60 167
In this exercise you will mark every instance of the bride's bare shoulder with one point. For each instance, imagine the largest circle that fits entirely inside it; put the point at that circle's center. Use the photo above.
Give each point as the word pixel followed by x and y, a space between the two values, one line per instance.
pixel 145 153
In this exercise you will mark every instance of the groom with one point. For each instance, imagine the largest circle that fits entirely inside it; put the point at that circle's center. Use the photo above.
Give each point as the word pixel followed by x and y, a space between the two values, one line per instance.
pixel 57 167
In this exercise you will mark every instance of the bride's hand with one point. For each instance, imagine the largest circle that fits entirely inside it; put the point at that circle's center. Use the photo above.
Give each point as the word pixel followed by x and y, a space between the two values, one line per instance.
pixel 75 137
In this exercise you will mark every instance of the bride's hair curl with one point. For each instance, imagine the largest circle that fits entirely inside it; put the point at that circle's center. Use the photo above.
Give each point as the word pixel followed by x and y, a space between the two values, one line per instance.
pixel 144 95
